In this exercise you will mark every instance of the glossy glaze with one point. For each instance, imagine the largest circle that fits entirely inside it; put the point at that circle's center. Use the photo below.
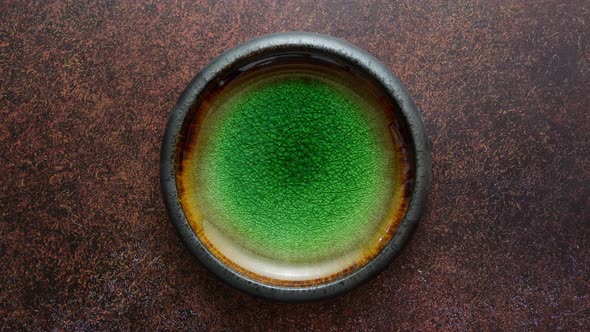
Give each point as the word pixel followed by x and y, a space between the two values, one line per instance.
pixel 293 169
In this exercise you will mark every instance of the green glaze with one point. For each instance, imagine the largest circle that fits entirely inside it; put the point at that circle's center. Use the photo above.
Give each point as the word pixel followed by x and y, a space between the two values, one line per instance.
pixel 292 168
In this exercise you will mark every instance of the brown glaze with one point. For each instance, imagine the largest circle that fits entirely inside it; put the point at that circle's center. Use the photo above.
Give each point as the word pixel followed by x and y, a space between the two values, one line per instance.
pixel 85 89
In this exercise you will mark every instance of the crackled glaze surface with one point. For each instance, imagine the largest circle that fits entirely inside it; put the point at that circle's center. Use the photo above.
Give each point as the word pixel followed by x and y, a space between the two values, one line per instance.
pixel 292 171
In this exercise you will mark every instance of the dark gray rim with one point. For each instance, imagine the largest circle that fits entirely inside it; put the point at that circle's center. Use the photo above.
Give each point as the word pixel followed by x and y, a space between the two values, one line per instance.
pixel 314 42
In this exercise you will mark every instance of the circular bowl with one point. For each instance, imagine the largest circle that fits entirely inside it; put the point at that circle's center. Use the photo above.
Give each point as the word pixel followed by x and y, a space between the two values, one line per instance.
pixel 295 166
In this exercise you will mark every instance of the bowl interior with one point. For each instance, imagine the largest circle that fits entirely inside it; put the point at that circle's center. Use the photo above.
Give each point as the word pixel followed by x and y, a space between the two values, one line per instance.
pixel 294 167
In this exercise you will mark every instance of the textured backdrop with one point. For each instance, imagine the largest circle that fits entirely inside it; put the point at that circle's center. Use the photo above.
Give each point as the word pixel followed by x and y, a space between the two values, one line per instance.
pixel 85 90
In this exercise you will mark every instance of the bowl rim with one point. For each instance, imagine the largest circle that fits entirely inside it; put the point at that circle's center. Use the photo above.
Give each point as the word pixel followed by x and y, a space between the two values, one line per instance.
pixel 311 42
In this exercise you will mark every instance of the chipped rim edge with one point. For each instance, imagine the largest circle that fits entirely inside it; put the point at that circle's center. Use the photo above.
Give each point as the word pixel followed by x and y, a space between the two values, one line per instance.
pixel 357 57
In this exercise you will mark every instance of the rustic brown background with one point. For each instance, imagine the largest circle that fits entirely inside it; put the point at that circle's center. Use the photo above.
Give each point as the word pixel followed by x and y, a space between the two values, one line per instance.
pixel 504 89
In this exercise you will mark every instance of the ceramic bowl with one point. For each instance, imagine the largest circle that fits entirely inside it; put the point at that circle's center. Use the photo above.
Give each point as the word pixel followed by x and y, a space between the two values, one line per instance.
pixel 295 166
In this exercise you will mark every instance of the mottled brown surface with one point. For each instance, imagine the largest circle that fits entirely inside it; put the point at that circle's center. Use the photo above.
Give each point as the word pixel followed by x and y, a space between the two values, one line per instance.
pixel 504 90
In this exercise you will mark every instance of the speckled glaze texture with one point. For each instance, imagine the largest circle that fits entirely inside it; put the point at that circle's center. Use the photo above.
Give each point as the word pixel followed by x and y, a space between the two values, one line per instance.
pixel 85 90
pixel 296 165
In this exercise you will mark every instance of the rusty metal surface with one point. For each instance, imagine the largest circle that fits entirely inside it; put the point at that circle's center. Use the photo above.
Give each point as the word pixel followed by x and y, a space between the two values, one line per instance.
pixel 85 89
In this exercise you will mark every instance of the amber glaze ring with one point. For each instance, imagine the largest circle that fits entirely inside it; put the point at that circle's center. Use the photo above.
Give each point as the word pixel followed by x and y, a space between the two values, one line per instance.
pixel 295 166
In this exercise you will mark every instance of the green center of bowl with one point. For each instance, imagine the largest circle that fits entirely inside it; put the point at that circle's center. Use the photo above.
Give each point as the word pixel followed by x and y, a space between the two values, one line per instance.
pixel 292 170
pixel 294 166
